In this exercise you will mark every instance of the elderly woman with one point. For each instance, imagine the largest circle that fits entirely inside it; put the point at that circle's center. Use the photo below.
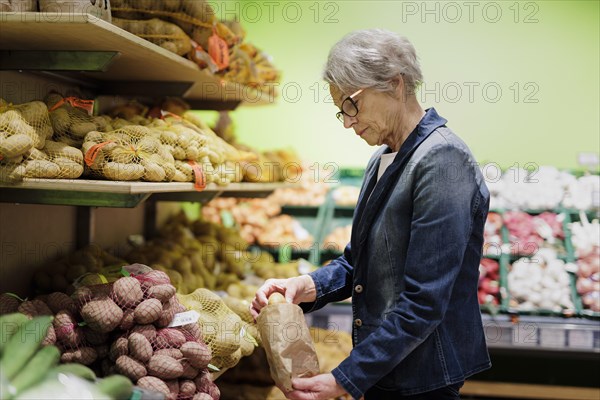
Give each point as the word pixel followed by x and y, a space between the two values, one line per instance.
pixel 412 265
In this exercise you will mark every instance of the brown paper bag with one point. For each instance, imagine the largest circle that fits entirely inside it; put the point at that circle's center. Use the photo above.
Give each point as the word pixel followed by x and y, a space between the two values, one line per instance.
pixel 288 344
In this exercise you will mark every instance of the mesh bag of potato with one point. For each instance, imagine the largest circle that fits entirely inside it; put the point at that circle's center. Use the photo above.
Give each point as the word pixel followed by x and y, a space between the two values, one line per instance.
pixel 72 119
pixel 130 153
pixel 199 151
pixel 228 337
pixel 195 17
pixel 25 151
pixel 167 35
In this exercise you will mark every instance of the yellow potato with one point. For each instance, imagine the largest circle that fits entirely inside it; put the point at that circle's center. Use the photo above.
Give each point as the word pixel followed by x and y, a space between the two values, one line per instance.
pixel 61 121
pixel 69 169
pixel 179 153
pixel 122 154
pixel 35 154
pixel 81 129
pixel 58 149
pixel 168 137
pixel 41 169
pixel 154 172
pixel 192 153
pixel 276 298
pixel 15 145
pixel 148 144
pixel 123 172
pixel 186 169
pixel 94 136
pixel 12 173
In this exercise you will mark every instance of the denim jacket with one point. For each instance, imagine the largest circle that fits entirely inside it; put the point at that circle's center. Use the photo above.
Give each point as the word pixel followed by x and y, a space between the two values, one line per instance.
pixel 412 268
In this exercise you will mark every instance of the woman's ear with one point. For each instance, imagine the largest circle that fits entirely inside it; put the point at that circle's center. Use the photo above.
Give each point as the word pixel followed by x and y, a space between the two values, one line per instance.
pixel 398 87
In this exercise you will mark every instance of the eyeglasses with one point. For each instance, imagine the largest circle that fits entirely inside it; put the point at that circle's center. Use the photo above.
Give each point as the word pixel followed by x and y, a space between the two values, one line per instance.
pixel 349 107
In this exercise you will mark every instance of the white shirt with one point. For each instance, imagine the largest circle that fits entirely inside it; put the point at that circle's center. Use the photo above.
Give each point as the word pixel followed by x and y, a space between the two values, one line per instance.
pixel 386 161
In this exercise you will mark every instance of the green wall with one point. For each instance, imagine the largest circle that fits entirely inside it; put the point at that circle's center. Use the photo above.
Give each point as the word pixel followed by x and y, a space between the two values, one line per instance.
pixel 543 56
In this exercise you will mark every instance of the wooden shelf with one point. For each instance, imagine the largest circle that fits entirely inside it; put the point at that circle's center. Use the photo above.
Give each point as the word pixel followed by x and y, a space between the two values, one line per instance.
pixel 100 193
pixel 137 60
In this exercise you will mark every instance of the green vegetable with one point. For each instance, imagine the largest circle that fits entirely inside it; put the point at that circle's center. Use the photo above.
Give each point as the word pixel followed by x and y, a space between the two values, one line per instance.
pixel 37 368
pixel 23 345
pixel 76 369
pixel 116 386
pixel 9 324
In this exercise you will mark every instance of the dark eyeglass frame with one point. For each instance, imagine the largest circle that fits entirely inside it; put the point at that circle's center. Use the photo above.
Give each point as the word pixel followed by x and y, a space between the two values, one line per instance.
pixel 340 114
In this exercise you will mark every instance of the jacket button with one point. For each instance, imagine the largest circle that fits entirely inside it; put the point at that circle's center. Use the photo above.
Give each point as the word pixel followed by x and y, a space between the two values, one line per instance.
pixel 358 288
pixel 358 322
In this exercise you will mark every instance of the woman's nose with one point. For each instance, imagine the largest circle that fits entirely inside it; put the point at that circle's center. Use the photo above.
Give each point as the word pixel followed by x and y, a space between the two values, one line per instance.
pixel 349 121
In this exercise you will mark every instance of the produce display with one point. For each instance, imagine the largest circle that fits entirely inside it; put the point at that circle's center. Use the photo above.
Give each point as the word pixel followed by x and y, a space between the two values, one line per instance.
pixel 542 188
pixel 488 291
pixel 583 193
pixel 492 235
pixel 338 239
pixel 346 195
pixel 586 241
pixel 29 365
pixel 129 326
pixel 199 254
pixel 540 283
pixel 530 233
pixel 285 230
pixel 306 194
pixel 249 215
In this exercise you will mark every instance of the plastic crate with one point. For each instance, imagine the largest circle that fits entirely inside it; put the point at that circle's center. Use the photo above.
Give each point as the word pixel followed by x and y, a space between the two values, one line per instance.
pixel 575 216
pixel 311 219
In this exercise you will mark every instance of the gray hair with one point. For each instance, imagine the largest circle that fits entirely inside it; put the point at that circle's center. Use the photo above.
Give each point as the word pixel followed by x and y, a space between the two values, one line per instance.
pixel 373 58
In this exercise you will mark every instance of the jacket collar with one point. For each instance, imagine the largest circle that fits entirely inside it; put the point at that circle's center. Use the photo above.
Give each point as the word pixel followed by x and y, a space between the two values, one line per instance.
pixel 374 196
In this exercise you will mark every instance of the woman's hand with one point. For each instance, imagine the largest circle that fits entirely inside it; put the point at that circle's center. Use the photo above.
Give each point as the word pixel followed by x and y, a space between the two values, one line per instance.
pixel 319 387
pixel 296 290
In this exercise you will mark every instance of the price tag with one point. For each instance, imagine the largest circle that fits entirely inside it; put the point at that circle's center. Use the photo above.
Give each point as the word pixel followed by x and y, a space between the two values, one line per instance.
pixel 525 334
pixel 581 339
pixel 184 318
pixel 553 337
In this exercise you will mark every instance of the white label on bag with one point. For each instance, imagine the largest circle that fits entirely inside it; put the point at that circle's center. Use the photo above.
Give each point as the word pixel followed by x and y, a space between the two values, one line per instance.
pixel 184 318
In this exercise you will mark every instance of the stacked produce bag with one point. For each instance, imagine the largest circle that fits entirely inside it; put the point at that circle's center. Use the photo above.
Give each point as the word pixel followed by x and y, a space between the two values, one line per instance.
pixel 190 28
